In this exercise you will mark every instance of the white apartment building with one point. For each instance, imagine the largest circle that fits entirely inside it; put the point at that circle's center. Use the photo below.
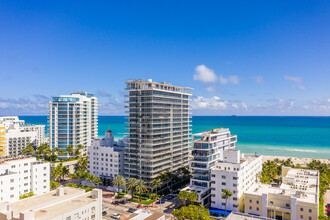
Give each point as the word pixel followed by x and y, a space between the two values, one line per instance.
pixel 296 198
pixel 208 148
pixel 17 134
pixel 73 120
pixel 22 175
pixel 159 128
pixel 106 158
pixel 64 203
pixel 237 173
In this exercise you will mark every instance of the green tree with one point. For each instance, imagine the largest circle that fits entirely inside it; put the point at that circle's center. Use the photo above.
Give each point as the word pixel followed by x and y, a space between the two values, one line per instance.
pixel 26 195
pixel 70 150
pixel 226 194
pixel 192 212
pixel 118 182
pixel 141 187
pixel 131 185
pixel 183 196
pixel 155 183
pixel 154 196
pixel 28 150
pixel 82 164
pixel 54 185
pixel 192 197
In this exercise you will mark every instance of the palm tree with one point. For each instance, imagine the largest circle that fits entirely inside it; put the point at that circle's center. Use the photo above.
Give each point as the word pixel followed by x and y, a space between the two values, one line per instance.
pixel 28 150
pixel 141 187
pixel 119 181
pixel 69 149
pixel 65 172
pixel 97 181
pixel 192 197
pixel 183 196
pixel 82 163
pixel 55 150
pixel 226 194
pixel 131 185
pixel 155 197
pixel 155 183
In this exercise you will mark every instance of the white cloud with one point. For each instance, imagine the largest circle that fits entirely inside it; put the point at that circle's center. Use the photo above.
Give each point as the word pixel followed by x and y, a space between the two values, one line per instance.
pixel 297 82
pixel 244 106
pixel 235 106
pixel 258 79
pixel 205 74
pixel 214 103
pixel 232 79
pixel 328 100
pixel 210 89
pixel 293 78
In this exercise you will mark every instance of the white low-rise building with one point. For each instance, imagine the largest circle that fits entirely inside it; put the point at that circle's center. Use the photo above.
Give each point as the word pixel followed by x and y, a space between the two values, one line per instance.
pixel 297 197
pixel 237 173
pixel 105 158
pixel 17 135
pixel 20 176
pixel 65 203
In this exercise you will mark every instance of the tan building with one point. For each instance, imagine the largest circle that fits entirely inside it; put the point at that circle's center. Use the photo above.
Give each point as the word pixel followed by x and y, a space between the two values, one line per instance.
pixel 296 198
pixel 65 203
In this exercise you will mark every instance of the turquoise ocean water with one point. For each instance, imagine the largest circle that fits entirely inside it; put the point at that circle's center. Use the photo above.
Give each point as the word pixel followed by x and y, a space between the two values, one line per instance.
pixel 282 136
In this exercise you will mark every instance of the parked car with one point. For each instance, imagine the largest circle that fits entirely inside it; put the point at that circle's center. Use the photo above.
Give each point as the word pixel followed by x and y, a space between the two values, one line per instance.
pixel 115 216
pixel 104 213
pixel 160 202
pixel 123 201
pixel 131 210
pixel 115 203
pixel 174 195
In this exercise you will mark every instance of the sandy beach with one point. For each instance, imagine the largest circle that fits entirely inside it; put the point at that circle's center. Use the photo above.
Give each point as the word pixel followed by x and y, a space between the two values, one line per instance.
pixel 295 160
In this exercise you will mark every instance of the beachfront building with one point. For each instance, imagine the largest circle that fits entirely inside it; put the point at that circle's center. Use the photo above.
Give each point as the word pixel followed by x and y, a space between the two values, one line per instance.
pixel 208 148
pixel 159 128
pixel 237 173
pixel 22 175
pixel 297 197
pixel 106 158
pixel 64 203
pixel 17 135
pixel 73 120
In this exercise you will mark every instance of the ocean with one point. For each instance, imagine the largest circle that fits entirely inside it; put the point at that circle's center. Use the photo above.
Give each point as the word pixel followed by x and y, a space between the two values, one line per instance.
pixel 282 136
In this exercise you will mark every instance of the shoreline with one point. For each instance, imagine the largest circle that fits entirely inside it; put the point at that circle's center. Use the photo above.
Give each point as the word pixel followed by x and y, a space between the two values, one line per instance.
pixel 295 160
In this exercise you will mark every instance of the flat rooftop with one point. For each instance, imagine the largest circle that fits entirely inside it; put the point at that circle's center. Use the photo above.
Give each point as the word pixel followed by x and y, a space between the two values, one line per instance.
pixel 49 205
pixel 299 183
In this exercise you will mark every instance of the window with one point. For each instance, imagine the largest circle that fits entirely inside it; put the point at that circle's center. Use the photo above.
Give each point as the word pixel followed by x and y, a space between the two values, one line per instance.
pixel 213 175
pixel 223 183
pixel 257 209
pixel 310 218
pixel 302 209
pixel 310 210
pixel 223 177
pixel 250 207
pixel 68 218
pixel 250 201
pixel 234 198
pixel 223 204
pixel 301 217
pixel 287 205
pixel 234 185
pixel 257 201
pixel 271 202
pixel 12 180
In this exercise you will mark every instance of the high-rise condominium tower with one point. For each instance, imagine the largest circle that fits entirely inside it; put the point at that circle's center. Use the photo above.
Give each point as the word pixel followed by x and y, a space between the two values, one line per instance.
pixel 73 120
pixel 159 128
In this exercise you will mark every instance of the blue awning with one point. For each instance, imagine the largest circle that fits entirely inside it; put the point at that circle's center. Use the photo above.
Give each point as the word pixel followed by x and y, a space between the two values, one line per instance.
pixel 219 211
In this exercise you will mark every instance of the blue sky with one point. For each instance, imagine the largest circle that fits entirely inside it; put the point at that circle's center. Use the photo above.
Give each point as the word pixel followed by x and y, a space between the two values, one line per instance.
pixel 241 57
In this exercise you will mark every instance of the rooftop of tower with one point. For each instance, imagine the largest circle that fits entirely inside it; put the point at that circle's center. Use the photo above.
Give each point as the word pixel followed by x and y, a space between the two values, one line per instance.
pixel 149 84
